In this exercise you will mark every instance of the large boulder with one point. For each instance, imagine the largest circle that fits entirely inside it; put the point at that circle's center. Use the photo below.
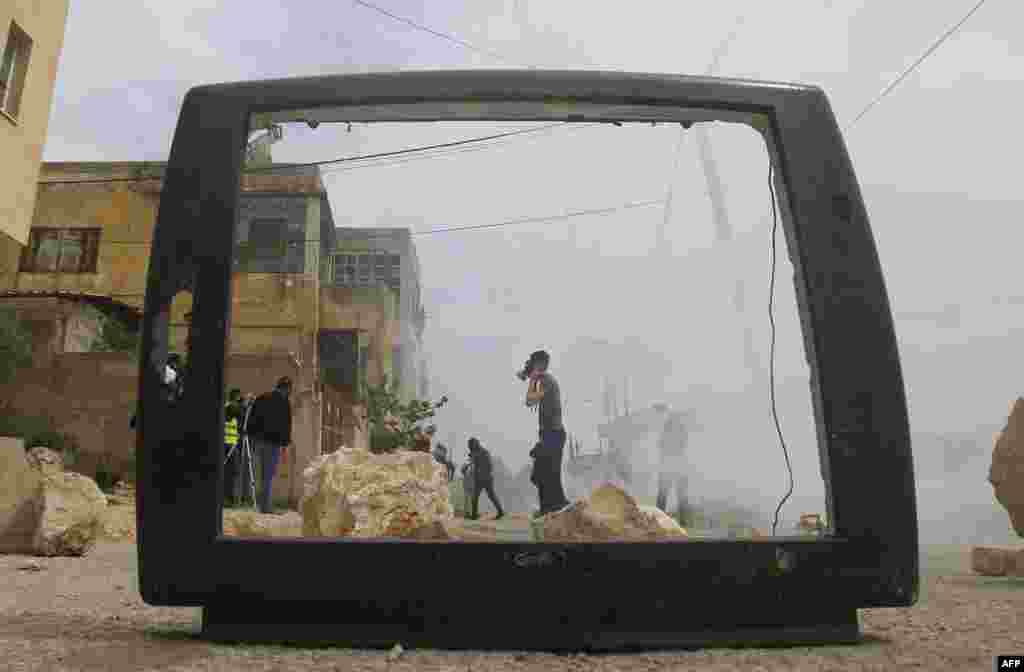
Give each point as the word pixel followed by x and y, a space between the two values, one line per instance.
pixel 20 498
pixel 355 493
pixel 72 512
pixel 1007 472
pixel 998 561
pixel 239 523
pixel 609 514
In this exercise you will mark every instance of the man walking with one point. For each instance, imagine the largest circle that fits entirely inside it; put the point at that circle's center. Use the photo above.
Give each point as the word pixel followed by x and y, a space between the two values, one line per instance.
pixel 483 481
pixel 545 394
pixel 270 432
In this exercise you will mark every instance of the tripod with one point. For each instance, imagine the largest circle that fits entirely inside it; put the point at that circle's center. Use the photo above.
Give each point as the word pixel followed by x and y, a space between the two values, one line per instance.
pixel 245 454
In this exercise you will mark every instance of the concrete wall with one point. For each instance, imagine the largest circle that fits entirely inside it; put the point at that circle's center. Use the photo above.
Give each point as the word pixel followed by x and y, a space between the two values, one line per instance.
pixel 127 218
pixel 410 368
pixel 22 139
pixel 66 390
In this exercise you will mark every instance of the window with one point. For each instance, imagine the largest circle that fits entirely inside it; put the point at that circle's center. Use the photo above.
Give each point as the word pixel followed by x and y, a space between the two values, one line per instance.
pixel 269 247
pixel 344 270
pixel 365 267
pixel 13 69
pixel 61 251
pixel 265 238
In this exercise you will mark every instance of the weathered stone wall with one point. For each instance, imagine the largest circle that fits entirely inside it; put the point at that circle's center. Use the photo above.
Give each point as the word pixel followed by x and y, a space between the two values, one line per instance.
pixel 67 391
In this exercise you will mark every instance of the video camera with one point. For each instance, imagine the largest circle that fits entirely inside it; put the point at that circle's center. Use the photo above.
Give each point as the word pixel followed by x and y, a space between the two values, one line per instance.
pixel 525 372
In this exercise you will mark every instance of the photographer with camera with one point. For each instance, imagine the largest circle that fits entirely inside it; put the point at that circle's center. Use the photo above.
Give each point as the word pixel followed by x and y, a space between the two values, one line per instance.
pixel 544 394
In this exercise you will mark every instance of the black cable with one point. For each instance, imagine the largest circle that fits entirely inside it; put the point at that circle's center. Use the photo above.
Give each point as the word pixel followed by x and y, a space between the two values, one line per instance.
pixel 913 66
pixel 771 357
pixel 444 36
pixel 548 218
pixel 471 227
pixel 363 157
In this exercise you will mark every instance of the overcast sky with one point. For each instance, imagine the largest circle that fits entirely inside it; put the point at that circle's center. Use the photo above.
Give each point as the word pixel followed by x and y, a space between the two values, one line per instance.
pixel 933 159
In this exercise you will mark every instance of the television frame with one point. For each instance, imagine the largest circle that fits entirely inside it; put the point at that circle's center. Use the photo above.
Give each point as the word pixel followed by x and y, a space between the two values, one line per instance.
pixel 595 596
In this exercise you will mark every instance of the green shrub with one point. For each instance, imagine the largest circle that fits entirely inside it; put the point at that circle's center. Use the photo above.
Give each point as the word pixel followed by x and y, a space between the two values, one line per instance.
pixel 15 345
pixel 105 476
pixel 38 431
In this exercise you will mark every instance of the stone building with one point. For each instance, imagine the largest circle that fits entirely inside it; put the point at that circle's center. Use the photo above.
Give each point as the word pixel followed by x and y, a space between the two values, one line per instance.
pixel 368 260
pixel 31 39
pixel 88 249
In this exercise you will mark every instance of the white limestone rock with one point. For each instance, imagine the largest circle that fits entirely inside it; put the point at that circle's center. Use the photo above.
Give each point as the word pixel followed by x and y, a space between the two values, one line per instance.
pixel 609 514
pixel 353 492
pixel 1007 472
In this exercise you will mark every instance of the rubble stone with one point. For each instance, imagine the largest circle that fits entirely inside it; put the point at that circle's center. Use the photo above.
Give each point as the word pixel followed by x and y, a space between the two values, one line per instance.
pixel 609 514
pixel 252 524
pixel 998 560
pixel 45 461
pixel 20 497
pixel 353 492
pixel 1007 472
pixel 73 509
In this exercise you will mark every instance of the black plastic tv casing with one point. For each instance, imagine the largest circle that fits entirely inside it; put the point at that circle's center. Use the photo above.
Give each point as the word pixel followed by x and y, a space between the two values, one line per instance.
pixel 600 596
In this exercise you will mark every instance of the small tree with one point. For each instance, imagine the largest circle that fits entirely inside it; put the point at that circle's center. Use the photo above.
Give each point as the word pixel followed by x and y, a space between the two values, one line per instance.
pixel 115 335
pixel 15 345
pixel 393 422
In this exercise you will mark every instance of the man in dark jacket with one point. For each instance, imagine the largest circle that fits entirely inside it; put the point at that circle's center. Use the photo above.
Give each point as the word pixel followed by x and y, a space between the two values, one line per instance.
pixel 483 481
pixel 270 432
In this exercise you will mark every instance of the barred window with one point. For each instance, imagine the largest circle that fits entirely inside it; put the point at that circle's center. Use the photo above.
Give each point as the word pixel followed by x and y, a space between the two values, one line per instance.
pixel 52 250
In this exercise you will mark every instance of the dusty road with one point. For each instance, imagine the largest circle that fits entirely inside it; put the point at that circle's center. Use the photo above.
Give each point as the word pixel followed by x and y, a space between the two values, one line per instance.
pixel 85 614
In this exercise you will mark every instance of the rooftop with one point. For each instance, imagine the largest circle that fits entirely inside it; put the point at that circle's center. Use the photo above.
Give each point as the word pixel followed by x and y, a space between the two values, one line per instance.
pixel 284 178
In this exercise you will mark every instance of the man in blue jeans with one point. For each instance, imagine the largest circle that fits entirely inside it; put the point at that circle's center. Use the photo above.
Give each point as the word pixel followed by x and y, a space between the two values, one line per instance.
pixel 270 432
pixel 546 396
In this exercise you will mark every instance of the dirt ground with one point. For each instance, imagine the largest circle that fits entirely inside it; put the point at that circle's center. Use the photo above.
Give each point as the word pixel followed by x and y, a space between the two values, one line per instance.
pixel 85 614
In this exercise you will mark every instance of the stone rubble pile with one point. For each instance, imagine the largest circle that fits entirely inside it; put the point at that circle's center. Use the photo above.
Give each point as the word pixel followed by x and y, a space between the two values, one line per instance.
pixel 609 514
pixel 1007 478
pixel 45 510
pixel 355 493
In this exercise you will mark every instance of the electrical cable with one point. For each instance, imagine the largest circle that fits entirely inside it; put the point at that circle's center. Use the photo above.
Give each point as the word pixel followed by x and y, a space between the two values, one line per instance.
pixel 771 356
pixel 444 36
pixel 440 154
pixel 549 218
pixel 473 227
pixel 928 52
pixel 363 157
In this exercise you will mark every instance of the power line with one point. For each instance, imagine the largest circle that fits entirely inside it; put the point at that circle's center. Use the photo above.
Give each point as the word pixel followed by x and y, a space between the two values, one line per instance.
pixel 549 218
pixel 437 154
pixel 364 157
pixel 444 36
pixel 916 63
pixel 510 222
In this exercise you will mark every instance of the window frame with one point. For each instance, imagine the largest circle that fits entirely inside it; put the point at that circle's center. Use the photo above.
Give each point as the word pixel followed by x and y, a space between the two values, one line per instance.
pixel 18 48
pixel 88 263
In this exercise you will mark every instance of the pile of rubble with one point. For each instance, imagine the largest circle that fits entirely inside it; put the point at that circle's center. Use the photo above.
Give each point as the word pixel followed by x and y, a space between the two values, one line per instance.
pixel 355 493
pixel 45 510
pixel 1007 478
pixel 609 514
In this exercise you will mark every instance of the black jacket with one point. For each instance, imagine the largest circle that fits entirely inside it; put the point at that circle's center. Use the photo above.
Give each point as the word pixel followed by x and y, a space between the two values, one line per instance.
pixel 482 467
pixel 271 419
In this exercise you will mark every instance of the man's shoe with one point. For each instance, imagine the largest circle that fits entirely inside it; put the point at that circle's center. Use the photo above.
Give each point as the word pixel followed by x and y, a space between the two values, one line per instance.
pixel 501 514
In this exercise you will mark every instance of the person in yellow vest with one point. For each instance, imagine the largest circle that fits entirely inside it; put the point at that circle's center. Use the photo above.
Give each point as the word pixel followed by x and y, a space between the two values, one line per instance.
pixel 232 418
